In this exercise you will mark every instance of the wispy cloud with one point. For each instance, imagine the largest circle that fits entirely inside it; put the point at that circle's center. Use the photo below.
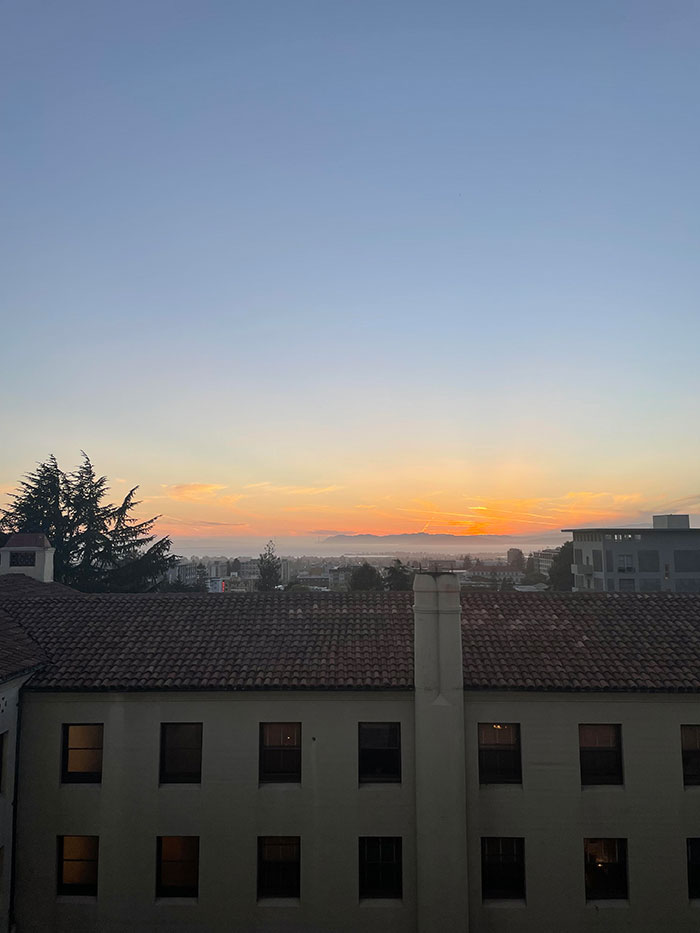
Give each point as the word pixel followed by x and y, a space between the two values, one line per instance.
pixel 193 492
pixel 293 490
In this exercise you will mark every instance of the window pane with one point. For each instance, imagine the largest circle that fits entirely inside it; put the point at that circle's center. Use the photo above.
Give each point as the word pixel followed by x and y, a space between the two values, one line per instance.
pixel 379 752
pixel 599 735
pixel 87 760
pixel 281 734
pixel 279 866
pixel 77 864
pixel 605 868
pixel 80 872
pixel 502 868
pixel 82 752
pixel 85 736
pixel 178 866
pixel 181 752
pixel 380 866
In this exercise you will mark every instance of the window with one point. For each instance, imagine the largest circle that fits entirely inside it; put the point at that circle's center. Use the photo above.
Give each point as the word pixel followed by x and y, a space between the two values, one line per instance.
pixel 649 585
pixel 687 561
pixel 687 586
pixel 380 871
pixel 81 759
pixel 600 749
pixel 177 866
pixel 627 585
pixel 597 560
pixel 690 750
pixel 279 866
pixel 3 760
pixel 625 563
pixel 502 868
pixel 648 561
pixel 605 869
pixel 499 753
pixel 280 752
pixel 379 752
pixel 77 864
pixel 180 752
pixel 693 868
pixel 22 558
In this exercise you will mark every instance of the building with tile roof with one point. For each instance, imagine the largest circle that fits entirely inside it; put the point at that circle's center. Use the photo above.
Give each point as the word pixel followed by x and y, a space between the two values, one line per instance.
pixel 339 762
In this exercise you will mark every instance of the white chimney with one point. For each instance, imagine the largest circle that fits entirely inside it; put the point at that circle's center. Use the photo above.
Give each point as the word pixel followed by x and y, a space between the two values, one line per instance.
pixel 30 554
pixel 441 802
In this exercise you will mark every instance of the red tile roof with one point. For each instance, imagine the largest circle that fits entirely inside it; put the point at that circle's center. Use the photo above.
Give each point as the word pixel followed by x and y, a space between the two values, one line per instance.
pixel 27 539
pixel 342 641
pixel 18 652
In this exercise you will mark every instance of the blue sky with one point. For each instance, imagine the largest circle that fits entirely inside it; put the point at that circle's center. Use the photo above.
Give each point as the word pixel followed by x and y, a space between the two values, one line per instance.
pixel 379 246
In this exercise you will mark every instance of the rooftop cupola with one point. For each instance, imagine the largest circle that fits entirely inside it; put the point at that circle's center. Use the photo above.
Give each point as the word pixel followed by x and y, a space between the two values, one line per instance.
pixel 30 554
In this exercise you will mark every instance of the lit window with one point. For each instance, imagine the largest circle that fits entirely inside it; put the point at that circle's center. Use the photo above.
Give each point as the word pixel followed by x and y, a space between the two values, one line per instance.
pixel 177 866
pixel 180 752
pixel 77 864
pixel 280 752
pixel 279 866
pixel 380 867
pixel 499 753
pixel 605 869
pixel 379 752
pixel 502 868
pixel 81 761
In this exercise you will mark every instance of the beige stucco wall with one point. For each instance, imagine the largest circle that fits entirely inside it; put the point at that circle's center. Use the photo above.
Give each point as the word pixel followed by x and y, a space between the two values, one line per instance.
pixel 554 814
pixel 9 691
pixel 228 812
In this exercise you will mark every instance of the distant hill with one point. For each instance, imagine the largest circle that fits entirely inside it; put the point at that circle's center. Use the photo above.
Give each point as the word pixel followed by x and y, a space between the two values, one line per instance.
pixel 417 539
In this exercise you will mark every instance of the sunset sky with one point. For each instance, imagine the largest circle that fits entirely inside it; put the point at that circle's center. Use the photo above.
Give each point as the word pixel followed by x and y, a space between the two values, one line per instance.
pixel 300 268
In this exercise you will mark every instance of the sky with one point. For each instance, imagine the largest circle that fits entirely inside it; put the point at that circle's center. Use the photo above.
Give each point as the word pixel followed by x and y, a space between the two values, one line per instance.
pixel 304 268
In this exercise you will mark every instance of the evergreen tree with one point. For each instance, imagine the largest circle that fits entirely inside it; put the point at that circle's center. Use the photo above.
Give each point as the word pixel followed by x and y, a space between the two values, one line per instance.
pixel 100 547
pixel 560 577
pixel 366 577
pixel 269 568
pixel 398 577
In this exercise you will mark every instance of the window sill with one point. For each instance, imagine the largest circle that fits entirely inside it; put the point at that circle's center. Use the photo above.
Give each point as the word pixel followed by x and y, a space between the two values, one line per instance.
pixel 381 902
pixel 178 785
pixel 505 902
pixel 177 901
pixel 280 785
pixel 372 784
pixel 608 902
pixel 76 898
pixel 600 787
pixel 279 902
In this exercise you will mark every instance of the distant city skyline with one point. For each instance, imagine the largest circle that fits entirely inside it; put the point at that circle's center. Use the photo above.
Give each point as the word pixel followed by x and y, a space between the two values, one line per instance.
pixel 304 269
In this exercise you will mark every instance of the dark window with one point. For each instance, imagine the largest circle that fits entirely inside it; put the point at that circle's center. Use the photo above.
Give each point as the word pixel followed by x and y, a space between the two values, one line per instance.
pixel 22 558
pixel 280 752
pixel 649 585
pixel 502 867
pixel 600 749
pixel 578 555
pixel 609 560
pixel 177 866
pixel 597 560
pixel 690 749
pixel 693 868
pixel 625 563
pixel 3 763
pixel 379 752
pixel 648 561
pixel 499 753
pixel 605 869
pixel 380 866
pixel 687 586
pixel 687 561
pixel 279 866
pixel 77 864
pixel 180 752
pixel 627 585
pixel 81 759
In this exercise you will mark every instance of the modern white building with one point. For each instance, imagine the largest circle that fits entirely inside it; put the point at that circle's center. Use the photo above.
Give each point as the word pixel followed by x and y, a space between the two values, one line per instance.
pixel 664 558
pixel 342 762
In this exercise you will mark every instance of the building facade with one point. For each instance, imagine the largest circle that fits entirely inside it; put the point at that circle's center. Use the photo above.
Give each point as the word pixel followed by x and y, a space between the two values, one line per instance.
pixel 664 558
pixel 423 763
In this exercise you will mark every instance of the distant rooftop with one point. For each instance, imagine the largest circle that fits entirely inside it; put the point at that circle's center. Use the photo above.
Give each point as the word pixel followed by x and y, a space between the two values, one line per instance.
pixel 660 523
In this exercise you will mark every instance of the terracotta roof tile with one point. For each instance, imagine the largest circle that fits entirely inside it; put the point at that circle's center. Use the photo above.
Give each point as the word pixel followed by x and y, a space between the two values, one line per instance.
pixel 511 641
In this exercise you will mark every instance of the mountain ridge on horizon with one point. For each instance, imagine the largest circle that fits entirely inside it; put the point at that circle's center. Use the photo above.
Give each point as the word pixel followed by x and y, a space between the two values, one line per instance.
pixel 426 537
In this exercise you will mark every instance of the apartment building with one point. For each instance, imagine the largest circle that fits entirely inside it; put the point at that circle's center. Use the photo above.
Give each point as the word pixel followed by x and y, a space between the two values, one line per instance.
pixel 354 761
pixel 663 558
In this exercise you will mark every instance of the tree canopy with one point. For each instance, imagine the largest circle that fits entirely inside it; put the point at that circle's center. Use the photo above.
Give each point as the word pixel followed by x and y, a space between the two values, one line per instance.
pixel 100 547
pixel 269 568
pixel 398 576
pixel 560 577
pixel 366 577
